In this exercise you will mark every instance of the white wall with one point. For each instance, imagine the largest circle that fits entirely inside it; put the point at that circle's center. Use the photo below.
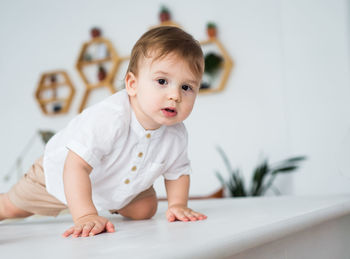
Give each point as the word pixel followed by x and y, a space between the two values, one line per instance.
pixel 288 93
pixel 317 83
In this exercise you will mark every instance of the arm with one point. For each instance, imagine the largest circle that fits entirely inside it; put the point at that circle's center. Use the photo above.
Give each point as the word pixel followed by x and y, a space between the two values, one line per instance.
pixel 177 192
pixel 77 188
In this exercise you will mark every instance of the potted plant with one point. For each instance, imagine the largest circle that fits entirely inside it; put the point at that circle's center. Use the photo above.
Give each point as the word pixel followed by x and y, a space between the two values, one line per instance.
pixel 212 64
pixel 164 14
pixel 211 30
pixel 262 179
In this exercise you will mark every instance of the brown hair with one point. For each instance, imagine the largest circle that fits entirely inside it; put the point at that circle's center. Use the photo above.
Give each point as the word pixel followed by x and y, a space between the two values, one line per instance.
pixel 164 40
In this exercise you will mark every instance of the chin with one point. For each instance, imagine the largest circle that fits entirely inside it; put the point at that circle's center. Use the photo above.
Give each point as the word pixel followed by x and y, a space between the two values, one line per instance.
pixel 169 123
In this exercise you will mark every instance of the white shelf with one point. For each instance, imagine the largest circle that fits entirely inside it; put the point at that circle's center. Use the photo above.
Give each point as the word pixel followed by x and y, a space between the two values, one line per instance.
pixel 233 226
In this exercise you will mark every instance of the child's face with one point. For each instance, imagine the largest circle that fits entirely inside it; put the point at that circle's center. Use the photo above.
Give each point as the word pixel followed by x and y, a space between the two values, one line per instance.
pixel 163 92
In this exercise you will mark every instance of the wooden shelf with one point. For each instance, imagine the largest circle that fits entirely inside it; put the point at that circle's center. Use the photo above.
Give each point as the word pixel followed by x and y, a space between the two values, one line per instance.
pixel 113 58
pixel 226 66
pixel 53 85
pixel 52 100
pixel 83 63
pixel 43 86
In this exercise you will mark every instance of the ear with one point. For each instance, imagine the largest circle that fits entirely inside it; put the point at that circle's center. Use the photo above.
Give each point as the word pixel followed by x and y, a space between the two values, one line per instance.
pixel 130 84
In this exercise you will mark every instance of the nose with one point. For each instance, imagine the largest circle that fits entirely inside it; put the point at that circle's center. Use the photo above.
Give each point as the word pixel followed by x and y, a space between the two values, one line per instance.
pixel 174 95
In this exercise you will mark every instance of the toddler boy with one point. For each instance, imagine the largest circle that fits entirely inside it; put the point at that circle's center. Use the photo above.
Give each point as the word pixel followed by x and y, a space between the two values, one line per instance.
pixel 108 157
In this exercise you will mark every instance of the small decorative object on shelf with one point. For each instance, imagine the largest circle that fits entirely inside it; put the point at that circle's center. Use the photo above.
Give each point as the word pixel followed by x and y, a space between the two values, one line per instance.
pixel 211 30
pixel 53 78
pixel 95 32
pixel 263 176
pixel 57 107
pixel 52 94
pixel 87 57
pixel 165 17
pixel 98 52
pixel 212 65
pixel 101 73
pixel 218 66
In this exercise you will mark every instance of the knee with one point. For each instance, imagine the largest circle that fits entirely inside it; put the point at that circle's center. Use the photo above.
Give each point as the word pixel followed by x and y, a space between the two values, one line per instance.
pixel 142 209
pixel 145 211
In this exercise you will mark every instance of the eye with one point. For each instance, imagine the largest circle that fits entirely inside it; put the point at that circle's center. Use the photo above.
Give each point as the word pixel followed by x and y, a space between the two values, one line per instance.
pixel 162 81
pixel 186 87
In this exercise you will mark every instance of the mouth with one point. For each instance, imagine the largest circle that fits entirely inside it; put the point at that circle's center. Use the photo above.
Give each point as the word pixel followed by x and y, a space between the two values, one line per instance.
pixel 169 112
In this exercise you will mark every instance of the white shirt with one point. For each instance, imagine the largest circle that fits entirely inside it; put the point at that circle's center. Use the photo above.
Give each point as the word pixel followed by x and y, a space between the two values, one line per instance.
pixel 126 159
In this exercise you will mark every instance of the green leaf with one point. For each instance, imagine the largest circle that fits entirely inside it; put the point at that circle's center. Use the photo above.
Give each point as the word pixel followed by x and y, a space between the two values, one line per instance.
pixel 238 183
pixel 287 169
pixel 296 159
pixel 259 175
pixel 211 25
pixel 212 63
pixel 225 159
pixel 289 162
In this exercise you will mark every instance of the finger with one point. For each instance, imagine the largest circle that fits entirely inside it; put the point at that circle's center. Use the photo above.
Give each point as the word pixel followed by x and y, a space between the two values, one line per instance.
pixel 171 217
pixel 199 216
pixel 181 216
pixel 77 231
pixel 191 216
pixel 110 227
pixel 68 232
pixel 98 228
pixel 87 228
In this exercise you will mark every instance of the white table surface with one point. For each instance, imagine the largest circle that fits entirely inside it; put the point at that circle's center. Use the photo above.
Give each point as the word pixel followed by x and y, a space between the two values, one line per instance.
pixel 233 226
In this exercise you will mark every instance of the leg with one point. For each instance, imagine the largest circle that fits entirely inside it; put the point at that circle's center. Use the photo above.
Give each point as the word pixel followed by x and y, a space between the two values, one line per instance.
pixel 8 210
pixel 29 196
pixel 143 208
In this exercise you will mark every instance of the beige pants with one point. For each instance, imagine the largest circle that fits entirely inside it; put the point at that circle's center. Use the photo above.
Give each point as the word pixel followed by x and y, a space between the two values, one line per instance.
pixel 30 193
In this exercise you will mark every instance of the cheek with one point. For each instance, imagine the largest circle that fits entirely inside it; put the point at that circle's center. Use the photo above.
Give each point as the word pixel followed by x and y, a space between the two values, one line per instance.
pixel 151 101
pixel 189 105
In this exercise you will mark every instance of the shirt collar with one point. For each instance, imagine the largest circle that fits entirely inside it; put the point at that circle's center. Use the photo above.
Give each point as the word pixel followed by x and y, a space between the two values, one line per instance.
pixel 140 131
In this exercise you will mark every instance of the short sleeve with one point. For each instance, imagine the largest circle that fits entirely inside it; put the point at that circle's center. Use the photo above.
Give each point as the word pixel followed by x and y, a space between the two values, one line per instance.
pixel 93 133
pixel 182 164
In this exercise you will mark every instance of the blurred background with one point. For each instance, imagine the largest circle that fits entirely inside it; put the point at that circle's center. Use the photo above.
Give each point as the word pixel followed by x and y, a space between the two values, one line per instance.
pixel 288 92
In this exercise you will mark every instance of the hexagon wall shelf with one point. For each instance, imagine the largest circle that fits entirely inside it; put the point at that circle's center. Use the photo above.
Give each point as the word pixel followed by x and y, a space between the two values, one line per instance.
pixel 105 54
pixel 54 92
pixel 225 66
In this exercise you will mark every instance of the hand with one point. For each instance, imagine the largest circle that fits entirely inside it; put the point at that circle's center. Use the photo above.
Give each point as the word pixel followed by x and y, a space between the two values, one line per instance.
pixel 89 225
pixel 182 213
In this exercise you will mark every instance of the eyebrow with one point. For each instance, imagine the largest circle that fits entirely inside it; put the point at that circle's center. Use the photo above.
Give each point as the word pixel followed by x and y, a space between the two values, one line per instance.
pixel 195 82
pixel 161 72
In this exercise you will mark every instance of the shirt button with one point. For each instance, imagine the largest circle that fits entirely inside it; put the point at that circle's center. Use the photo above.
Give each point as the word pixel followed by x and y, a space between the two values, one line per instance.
pixel 148 135
pixel 140 154
pixel 133 168
pixel 127 181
